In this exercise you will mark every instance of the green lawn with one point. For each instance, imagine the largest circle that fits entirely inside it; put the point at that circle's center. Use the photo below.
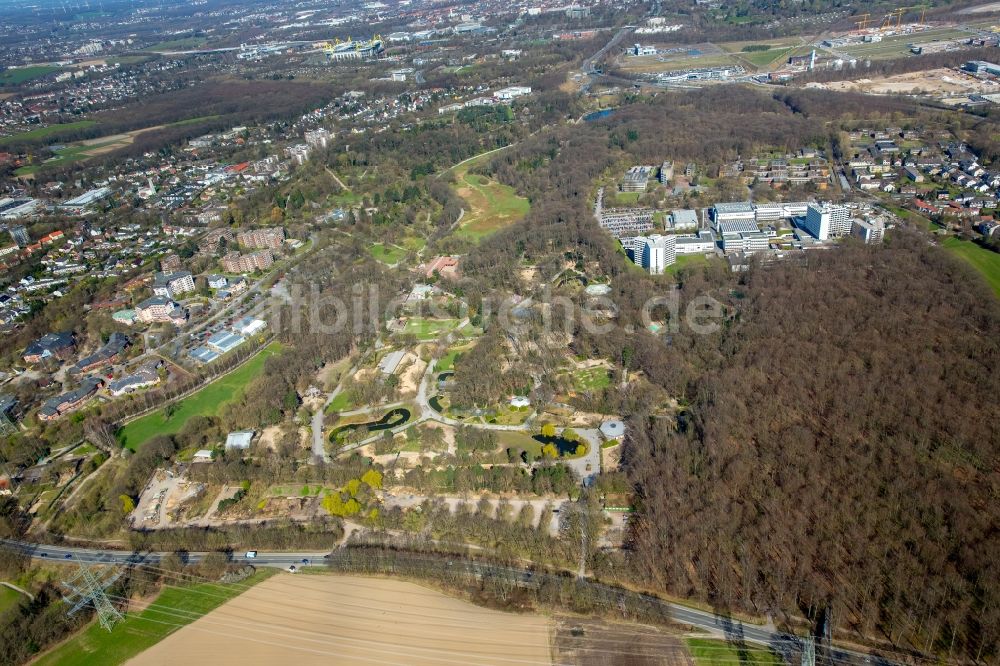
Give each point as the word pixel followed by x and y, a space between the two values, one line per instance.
pixel 205 402
pixel 447 362
pixel 712 652
pixel 686 261
pixel 490 205
pixel 519 440
pixel 175 607
pixel 591 379
pixel 45 132
pixel 14 77
pixel 340 403
pixel 627 198
pixel 9 598
pixel 985 261
pixel 429 329
pixel 63 156
pixel 387 254
pixel 184 44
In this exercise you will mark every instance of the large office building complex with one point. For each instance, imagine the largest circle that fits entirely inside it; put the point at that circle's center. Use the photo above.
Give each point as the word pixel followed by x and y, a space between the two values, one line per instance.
pixel 657 252
pixel 636 179
pixel 737 216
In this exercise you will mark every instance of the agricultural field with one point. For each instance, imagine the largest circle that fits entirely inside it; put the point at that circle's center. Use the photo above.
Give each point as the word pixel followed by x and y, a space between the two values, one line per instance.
pixel 713 652
pixel 206 402
pixel 15 77
pixel 172 609
pixel 361 620
pixel 985 261
pixel 491 205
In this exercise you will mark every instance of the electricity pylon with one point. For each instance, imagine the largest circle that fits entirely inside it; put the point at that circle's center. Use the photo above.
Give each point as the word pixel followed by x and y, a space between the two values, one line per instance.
pixel 87 587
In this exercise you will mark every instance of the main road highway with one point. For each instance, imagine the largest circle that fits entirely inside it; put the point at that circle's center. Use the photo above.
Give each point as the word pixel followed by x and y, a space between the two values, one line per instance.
pixel 714 623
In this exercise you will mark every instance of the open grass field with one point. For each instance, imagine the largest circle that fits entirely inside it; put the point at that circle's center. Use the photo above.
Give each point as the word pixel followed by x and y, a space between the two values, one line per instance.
pixel 429 329
pixel 15 77
pixel 655 64
pixel 348 620
pixel 447 362
pixel 898 46
pixel 686 261
pixel 184 44
pixel 340 403
pixel 206 402
pixel 45 132
pixel 713 652
pixel 172 609
pixel 591 379
pixel 9 598
pixel 490 205
pixel 387 254
pixel 985 261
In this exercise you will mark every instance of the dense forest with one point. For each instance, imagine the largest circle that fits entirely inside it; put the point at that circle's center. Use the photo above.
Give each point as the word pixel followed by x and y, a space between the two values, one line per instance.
pixel 838 448
pixel 841 451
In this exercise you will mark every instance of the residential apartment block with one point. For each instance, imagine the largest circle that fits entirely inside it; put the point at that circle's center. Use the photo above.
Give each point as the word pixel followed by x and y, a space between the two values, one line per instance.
pixel 270 238
pixel 234 262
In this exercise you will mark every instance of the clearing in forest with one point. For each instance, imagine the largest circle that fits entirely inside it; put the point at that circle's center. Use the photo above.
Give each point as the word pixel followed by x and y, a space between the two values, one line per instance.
pixel 491 206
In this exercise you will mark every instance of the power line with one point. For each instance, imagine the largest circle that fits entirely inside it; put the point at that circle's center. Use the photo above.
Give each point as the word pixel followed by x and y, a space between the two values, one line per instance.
pixel 88 588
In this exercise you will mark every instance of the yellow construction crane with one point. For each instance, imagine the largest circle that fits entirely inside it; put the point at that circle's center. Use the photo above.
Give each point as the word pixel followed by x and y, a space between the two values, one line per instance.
pixel 862 21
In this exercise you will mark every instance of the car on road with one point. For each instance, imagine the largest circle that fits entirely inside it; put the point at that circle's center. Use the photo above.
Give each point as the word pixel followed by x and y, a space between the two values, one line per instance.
pixel 68 556
pixel 305 560
pixel 251 554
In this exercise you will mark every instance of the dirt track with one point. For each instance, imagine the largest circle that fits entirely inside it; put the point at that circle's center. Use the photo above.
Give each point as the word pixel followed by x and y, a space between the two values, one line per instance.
pixel 346 620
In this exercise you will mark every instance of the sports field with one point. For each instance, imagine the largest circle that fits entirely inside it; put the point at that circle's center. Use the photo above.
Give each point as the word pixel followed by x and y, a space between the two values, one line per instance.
pixel 172 609
pixel 985 261
pixel 205 402
pixel 490 205
pixel 347 620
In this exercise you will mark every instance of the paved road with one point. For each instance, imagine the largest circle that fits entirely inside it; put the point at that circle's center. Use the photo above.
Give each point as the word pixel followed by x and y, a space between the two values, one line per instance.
pixel 100 556
pixel 705 620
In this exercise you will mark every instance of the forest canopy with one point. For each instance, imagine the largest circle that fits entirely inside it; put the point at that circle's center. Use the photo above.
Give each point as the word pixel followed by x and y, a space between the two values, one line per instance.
pixel 841 452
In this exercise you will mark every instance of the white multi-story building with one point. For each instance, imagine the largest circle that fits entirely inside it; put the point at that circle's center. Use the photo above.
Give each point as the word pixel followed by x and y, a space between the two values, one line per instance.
pixel 317 138
pixel 827 220
pixel 870 231
pixel 747 242
pixel 658 252
pixel 700 244
pixel 770 212
pixel 173 284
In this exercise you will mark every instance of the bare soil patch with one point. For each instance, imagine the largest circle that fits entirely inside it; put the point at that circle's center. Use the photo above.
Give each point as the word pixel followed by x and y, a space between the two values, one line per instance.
pixel 347 620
